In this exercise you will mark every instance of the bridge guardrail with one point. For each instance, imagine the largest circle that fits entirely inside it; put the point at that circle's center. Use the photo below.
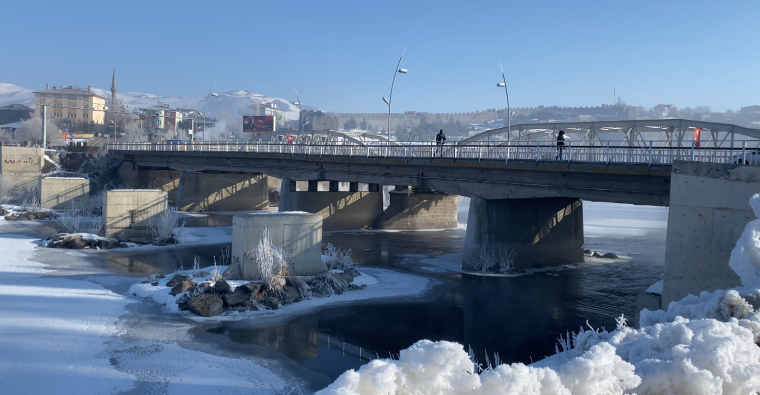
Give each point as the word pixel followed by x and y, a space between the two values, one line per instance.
pixel 657 152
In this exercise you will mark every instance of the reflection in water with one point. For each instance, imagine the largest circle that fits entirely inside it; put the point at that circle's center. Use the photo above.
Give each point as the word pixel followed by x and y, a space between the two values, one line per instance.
pixel 519 318
pixel 166 260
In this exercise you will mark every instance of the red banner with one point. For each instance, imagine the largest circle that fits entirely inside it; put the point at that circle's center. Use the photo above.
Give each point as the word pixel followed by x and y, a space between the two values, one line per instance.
pixel 260 123
pixel 697 136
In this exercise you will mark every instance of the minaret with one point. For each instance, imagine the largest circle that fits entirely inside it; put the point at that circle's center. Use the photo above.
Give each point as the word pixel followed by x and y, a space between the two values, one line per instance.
pixel 113 89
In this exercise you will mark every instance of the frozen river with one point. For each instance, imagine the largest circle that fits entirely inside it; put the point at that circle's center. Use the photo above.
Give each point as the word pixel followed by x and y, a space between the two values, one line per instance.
pixel 519 318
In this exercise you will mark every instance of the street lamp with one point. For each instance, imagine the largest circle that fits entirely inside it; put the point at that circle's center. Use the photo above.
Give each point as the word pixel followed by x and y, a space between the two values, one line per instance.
pixel 390 98
pixel 205 108
pixel 300 115
pixel 509 113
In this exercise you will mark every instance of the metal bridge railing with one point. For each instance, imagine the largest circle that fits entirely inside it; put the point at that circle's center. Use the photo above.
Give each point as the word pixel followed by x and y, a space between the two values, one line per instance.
pixel 609 152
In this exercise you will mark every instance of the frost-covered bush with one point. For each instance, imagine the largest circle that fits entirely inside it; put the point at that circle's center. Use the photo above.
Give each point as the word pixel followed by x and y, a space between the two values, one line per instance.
pixel 162 227
pixel 271 261
pixel 337 259
pixel 6 187
pixel 489 259
pixel 81 219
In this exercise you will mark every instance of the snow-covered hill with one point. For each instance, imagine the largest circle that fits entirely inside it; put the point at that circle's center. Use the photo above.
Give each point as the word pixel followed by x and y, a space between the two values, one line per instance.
pixel 235 102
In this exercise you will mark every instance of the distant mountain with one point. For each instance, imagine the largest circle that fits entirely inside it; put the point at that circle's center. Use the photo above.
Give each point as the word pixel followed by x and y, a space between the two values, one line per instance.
pixel 235 102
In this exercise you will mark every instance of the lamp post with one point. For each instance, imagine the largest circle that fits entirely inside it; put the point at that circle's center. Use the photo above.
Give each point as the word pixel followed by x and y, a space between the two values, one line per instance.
pixel 205 108
pixel 509 113
pixel 390 98
pixel 300 116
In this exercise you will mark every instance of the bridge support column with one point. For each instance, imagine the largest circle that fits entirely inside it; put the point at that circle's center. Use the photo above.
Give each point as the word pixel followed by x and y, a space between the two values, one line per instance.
pixel 222 192
pixel 339 209
pixel 543 231
pixel 420 209
pixel 133 177
pixel 709 209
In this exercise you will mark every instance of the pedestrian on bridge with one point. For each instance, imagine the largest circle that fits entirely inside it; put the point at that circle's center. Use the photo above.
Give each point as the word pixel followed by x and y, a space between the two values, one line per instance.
pixel 440 138
pixel 560 144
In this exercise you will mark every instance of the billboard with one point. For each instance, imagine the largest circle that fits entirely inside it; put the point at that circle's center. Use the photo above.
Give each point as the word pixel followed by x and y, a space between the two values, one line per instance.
pixel 259 123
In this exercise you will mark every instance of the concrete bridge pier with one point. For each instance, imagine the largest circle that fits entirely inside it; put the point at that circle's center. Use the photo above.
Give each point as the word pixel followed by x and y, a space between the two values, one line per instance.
pixel 543 231
pixel 222 192
pixel 352 209
pixel 419 208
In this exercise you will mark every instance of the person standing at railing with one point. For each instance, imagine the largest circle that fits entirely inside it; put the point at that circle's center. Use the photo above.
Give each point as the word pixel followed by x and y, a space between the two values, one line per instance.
pixel 560 144
pixel 440 138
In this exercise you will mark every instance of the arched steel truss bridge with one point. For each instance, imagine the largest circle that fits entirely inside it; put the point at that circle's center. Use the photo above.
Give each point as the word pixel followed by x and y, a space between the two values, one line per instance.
pixel 634 133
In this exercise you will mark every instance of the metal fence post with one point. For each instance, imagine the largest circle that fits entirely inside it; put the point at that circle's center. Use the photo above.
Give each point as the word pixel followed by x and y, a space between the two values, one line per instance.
pixel 744 152
pixel 608 152
pixel 650 153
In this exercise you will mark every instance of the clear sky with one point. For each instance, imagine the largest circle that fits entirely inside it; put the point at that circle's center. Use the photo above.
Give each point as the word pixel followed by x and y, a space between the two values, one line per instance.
pixel 340 55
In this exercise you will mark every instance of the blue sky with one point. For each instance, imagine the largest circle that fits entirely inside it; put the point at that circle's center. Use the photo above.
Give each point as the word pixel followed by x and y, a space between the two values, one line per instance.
pixel 340 55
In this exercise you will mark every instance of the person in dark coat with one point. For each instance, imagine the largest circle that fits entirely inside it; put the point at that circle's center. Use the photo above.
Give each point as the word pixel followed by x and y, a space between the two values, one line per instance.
pixel 440 138
pixel 560 143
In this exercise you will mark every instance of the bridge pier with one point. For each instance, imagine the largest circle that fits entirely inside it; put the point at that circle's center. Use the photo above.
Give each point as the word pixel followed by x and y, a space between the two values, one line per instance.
pixel 543 231
pixel 133 177
pixel 419 208
pixel 709 209
pixel 222 192
pixel 352 209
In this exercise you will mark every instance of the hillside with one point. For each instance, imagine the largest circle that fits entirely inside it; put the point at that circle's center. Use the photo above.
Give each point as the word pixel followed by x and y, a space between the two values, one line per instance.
pixel 235 102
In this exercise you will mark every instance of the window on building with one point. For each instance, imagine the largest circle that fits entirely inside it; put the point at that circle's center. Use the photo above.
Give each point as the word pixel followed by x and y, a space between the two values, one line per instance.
pixel 72 97
pixel 85 106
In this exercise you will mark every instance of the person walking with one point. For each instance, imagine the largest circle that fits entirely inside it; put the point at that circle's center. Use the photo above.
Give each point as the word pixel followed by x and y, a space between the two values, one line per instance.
pixel 440 138
pixel 560 144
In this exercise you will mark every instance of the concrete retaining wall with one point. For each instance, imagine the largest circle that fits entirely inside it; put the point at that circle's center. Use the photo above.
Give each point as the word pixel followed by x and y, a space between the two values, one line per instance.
pixel 419 210
pixel 546 232
pixel 222 192
pixel 299 234
pixel 709 209
pixel 63 193
pixel 128 212
pixel 21 165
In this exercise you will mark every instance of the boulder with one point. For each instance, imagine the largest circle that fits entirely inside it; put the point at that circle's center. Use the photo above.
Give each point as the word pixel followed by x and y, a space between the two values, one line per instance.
pixel 223 287
pixel 206 305
pixel 596 255
pixel 610 255
pixel 237 298
pixel 251 288
pixel 178 278
pixel 588 252
pixel 233 273
pixel 290 294
pixel 27 216
pixel 183 301
pixel 75 242
pixel 107 244
pixel 181 287
pixel 272 302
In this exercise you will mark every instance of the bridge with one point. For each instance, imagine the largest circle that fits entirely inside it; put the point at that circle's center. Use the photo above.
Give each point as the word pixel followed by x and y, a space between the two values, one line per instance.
pixel 525 191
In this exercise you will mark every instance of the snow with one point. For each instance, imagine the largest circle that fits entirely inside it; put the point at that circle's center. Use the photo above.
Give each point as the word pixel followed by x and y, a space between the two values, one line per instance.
pixel 53 330
pixel 655 288
pixel 381 283
pixel 204 235
pixel 237 102
pixel 702 345
pixel 60 335
pixel 364 279
pixel 445 368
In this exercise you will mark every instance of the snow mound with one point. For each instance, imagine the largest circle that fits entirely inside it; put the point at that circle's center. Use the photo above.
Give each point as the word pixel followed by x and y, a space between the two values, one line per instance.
pixel 655 288
pixel 445 368
pixel 745 258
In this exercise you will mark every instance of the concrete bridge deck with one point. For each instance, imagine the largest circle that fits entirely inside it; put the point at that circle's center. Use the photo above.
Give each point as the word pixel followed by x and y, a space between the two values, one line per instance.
pixel 465 174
